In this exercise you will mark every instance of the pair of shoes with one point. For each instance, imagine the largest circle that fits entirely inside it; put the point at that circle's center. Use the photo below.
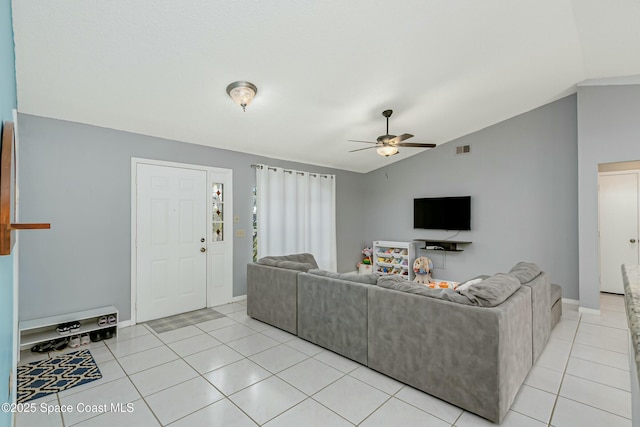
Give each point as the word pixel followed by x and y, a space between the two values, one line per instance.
pixel 84 339
pixel 74 341
pixel 66 328
pixel 109 333
pixel 102 334
pixel 60 344
pixel 95 336
pixel 78 340
pixel 43 347
pixel 46 347
pixel 107 320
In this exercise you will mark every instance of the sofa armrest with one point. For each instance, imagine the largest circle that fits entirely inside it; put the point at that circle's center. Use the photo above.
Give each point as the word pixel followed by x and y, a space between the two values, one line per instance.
pixel 472 357
pixel 272 296
pixel 332 313
pixel 540 312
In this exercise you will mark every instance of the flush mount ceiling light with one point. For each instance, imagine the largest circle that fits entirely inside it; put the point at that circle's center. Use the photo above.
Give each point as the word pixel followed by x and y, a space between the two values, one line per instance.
pixel 242 93
pixel 387 150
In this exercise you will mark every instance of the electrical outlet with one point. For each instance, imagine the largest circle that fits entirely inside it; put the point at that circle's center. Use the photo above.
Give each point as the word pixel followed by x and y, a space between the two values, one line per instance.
pixel 240 233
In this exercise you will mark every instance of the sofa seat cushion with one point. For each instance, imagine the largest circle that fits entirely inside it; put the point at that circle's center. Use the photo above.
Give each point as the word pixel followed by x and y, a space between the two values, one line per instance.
pixel 487 293
pixel 525 272
pixel 367 279
pixel 301 262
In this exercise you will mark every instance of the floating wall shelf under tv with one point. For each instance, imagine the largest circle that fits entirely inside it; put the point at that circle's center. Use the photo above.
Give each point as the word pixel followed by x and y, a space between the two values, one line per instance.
pixel 442 245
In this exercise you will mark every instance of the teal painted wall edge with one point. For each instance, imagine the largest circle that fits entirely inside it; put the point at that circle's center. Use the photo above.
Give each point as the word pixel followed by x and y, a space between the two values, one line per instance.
pixel 8 102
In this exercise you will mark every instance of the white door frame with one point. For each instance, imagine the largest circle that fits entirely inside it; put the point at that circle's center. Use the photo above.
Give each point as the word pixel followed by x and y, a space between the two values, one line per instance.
pixel 228 209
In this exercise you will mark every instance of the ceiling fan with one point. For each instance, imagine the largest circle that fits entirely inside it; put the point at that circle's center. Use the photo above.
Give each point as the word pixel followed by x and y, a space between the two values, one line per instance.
pixel 387 145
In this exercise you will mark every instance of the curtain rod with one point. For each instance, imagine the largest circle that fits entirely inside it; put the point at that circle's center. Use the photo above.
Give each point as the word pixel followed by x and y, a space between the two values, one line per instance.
pixel 292 171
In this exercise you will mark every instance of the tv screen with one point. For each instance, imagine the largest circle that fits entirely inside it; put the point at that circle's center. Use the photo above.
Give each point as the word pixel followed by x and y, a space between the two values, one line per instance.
pixel 442 213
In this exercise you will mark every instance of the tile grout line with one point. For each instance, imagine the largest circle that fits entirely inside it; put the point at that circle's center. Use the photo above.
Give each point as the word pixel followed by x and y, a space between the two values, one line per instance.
pixel 529 416
pixel 202 375
pixel 225 397
pixel 555 402
pixel 598 382
pixel 134 385
pixel 600 348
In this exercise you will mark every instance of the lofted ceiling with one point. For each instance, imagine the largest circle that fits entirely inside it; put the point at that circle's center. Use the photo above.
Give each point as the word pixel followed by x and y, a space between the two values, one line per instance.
pixel 325 69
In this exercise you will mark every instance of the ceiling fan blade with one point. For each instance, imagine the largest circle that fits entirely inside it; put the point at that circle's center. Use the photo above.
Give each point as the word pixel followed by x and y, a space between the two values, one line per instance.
pixel 415 145
pixel 355 140
pixel 400 138
pixel 360 149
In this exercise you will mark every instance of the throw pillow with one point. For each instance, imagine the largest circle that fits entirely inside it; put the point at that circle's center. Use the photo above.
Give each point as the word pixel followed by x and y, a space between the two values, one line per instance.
pixel 493 290
pixel 525 271
pixel 468 283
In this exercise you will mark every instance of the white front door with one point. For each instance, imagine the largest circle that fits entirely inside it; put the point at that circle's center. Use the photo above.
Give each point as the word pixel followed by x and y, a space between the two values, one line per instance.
pixel 618 209
pixel 171 224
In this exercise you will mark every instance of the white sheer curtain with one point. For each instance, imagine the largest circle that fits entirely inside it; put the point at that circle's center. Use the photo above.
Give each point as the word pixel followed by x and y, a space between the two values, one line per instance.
pixel 296 212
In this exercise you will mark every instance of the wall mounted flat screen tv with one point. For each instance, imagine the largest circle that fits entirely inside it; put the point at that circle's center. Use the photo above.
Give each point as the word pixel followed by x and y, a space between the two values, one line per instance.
pixel 442 213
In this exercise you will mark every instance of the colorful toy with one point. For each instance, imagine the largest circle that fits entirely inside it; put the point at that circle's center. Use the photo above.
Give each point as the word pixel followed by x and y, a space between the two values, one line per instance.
pixel 367 252
pixel 423 266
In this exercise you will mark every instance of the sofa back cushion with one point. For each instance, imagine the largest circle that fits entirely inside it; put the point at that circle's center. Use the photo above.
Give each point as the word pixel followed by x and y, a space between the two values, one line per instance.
pixel 367 279
pixel 300 262
pixel 525 271
pixel 488 293
pixel 493 290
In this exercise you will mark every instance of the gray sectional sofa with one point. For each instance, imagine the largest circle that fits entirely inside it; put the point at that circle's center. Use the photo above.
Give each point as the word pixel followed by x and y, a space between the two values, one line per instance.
pixel 272 289
pixel 472 348
pixel 546 303
pixel 333 311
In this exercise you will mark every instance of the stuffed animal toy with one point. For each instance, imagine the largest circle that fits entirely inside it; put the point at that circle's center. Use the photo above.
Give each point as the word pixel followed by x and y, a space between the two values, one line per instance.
pixel 423 266
pixel 367 252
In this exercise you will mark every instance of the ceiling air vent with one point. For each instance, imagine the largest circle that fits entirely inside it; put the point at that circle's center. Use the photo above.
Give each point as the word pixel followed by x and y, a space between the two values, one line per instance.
pixel 463 149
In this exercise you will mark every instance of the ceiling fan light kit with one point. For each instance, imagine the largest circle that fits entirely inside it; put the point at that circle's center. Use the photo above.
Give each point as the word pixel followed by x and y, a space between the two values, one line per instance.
pixel 387 150
pixel 387 145
pixel 242 93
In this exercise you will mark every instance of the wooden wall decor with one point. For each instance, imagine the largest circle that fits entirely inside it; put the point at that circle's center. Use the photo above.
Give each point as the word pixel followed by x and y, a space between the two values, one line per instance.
pixel 8 193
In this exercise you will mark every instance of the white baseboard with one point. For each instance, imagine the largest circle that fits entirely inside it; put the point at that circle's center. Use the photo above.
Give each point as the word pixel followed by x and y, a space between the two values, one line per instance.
pixel 239 298
pixel 125 324
pixel 585 310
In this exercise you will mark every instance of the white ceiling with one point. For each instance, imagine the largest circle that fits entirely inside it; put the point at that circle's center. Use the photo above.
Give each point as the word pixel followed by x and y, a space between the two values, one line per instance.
pixel 325 69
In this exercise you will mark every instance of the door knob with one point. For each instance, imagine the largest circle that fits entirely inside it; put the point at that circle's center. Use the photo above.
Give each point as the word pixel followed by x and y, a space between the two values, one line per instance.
pixel 202 249
pixel 632 240
pixel 202 240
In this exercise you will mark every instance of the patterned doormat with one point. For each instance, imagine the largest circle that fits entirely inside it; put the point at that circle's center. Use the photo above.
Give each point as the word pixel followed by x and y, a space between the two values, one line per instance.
pixel 184 319
pixel 59 373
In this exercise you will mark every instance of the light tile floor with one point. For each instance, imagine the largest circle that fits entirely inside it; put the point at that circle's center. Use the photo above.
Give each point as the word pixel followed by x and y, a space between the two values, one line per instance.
pixel 236 371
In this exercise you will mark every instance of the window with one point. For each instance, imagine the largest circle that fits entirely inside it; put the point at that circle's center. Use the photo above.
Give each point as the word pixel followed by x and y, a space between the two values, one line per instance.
pixel 295 211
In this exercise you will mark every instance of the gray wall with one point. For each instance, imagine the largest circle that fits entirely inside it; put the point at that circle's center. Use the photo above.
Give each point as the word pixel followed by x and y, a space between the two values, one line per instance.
pixel 521 175
pixel 609 131
pixel 78 178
